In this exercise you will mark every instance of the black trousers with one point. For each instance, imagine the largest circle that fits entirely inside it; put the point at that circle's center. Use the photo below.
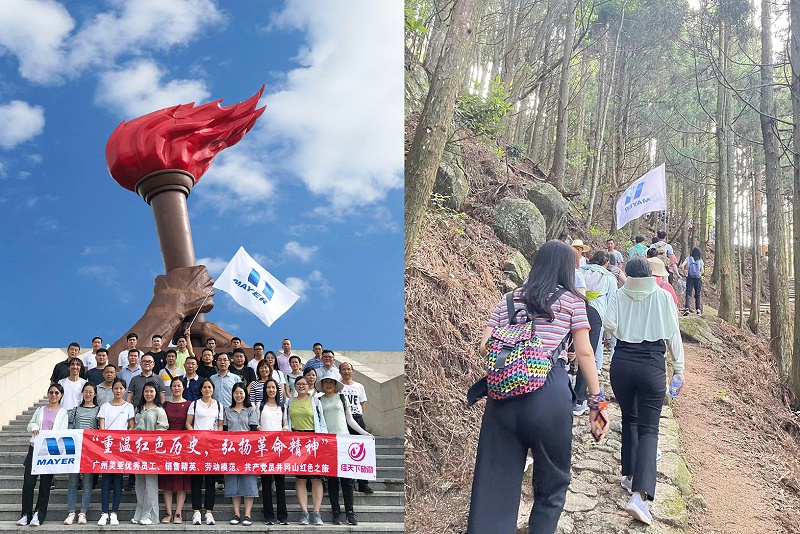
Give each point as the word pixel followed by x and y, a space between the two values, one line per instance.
pixel 595 324
pixel 540 421
pixel 348 487
pixel 639 383
pixel 693 284
pixel 361 484
pixel 280 493
pixel 29 484
pixel 197 492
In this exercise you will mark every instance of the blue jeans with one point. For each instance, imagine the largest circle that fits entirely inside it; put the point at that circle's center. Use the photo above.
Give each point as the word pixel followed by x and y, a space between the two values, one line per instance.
pixel 108 480
pixel 72 491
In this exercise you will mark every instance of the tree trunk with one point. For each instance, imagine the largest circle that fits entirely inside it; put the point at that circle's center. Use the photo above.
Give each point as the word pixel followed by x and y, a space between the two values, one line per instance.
pixel 794 58
pixel 560 152
pixel 754 320
pixel 724 261
pixel 432 131
pixel 780 334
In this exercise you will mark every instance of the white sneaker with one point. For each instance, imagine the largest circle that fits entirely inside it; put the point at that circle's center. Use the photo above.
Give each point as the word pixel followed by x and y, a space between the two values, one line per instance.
pixel 103 520
pixel 22 521
pixel 70 518
pixel 82 518
pixel 196 519
pixel 639 509
pixel 146 521
pixel 627 483
pixel 34 520
pixel 210 519
pixel 580 409
pixel 113 519
pixel 135 521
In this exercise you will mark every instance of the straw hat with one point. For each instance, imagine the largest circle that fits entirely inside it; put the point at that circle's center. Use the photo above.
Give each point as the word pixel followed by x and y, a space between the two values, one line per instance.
pixel 329 375
pixel 580 245
pixel 658 267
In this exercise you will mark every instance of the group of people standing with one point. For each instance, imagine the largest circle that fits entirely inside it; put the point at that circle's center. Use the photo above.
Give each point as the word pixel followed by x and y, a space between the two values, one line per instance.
pixel 567 295
pixel 171 390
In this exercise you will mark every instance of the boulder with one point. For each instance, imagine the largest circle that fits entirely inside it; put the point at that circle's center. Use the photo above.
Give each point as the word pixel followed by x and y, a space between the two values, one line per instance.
pixel 696 329
pixel 517 268
pixel 518 223
pixel 416 85
pixel 451 181
pixel 552 205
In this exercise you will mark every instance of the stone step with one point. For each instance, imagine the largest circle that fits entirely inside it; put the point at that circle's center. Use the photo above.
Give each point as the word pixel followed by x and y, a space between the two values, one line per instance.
pixel 378 498
pixel 385 472
pixel 57 511
pixel 54 526
pixel 14 480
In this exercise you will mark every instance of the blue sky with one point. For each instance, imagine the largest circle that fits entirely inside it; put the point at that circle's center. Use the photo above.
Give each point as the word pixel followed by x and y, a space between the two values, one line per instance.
pixel 313 192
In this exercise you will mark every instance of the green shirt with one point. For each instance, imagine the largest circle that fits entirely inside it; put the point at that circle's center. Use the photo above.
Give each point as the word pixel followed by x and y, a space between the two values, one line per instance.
pixel 333 411
pixel 302 414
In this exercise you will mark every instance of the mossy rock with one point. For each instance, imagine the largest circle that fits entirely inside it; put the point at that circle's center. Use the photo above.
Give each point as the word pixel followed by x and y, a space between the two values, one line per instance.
pixel 696 329
pixel 551 204
pixel 451 180
pixel 518 223
pixel 517 268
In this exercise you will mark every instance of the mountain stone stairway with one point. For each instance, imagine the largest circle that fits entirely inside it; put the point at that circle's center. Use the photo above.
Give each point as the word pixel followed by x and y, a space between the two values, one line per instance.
pixel 382 511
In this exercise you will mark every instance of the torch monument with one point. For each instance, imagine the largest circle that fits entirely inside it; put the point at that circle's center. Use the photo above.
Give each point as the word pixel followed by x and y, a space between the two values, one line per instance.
pixel 161 156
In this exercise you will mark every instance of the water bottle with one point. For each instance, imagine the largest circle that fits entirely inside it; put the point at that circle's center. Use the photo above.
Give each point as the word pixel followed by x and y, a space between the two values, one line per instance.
pixel 674 385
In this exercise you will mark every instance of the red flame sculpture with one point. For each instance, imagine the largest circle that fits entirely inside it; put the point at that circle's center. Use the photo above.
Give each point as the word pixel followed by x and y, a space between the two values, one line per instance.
pixel 181 137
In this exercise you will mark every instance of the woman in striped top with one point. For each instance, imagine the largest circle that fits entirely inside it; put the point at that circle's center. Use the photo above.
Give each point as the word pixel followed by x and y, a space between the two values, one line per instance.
pixel 540 420
pixel 82 416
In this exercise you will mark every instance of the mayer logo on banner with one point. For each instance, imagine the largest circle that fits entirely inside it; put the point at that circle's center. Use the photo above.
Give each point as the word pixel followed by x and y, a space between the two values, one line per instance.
pixel 57 451
pixel 203 452
pixel 647 194
pixel 254 288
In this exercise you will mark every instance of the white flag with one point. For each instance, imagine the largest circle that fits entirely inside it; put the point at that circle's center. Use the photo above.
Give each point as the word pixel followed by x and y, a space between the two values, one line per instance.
pixel 254 288
pixel 648 193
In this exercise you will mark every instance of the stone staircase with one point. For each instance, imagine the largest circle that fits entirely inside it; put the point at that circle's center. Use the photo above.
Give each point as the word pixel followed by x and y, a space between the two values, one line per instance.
pixel 382 511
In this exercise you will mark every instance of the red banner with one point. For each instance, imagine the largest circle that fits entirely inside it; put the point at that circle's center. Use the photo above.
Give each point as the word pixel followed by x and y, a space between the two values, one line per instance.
pixel 201 452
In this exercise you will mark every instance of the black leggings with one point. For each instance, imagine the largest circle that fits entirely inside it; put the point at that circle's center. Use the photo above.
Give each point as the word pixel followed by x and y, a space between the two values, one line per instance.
pixel 29 484
pixel 693 284
pixel 540 421
pixel 595 324
pixel 639 383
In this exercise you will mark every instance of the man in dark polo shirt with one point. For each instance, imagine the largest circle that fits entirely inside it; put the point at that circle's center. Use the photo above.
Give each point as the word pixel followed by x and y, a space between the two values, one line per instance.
pixel 61 369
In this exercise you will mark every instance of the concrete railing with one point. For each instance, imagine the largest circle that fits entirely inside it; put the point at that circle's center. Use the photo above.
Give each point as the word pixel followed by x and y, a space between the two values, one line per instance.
pixel 385 388
pixel 24 378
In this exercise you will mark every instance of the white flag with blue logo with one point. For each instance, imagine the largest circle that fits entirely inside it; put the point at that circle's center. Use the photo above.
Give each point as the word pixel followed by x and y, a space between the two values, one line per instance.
pixel 647 194
pixel 254 288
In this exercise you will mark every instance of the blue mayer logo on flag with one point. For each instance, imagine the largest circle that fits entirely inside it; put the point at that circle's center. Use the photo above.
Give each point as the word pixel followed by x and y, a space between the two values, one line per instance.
pixel 648 193
pixel 255 279
pixel 254 288
pixel 57 451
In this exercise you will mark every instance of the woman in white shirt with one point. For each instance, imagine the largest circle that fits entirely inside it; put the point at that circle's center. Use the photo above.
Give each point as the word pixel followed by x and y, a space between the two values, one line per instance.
pixel 204 414
pixel 273 419
pixel 114 415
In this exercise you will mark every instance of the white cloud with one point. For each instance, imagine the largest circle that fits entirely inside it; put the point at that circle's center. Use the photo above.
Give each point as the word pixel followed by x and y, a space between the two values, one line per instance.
pixel 293 249
pixel 139 89
pixel 108 277
pixel 339 119
pixel 315 284
pixel 215 266
pixel 40 33
pixel 237 177
pixel 34 31
pixel 21 122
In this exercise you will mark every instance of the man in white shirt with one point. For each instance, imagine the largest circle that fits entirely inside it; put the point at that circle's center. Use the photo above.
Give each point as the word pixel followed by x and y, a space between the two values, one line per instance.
pixel 355 393
pixel 132 340
pixel 258 355
pixel 73 385
pixel 90 358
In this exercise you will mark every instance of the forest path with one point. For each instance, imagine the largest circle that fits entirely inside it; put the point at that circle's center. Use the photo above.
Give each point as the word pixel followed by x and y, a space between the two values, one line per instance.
pixel 727 470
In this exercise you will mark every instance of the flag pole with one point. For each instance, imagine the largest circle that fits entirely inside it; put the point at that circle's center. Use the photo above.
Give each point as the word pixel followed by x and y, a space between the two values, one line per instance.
pixel 198 310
